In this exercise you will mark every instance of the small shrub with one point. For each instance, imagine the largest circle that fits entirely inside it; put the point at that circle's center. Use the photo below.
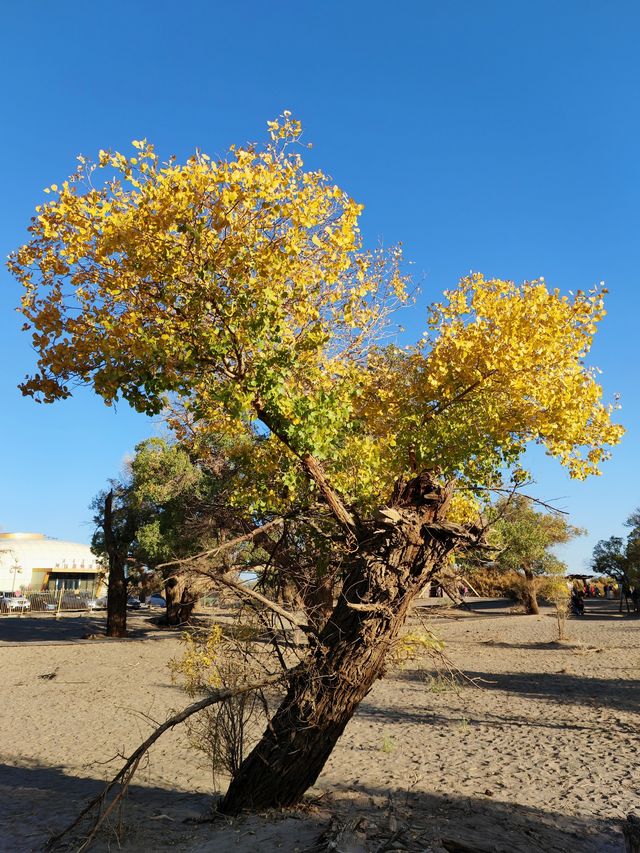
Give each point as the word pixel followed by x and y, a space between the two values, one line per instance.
pixel 441 683
pixel 198 666
pixel 388 744
pixel 556 591
pixel 492 582
pixel 224 732
pixel 412 644
pixel 463 725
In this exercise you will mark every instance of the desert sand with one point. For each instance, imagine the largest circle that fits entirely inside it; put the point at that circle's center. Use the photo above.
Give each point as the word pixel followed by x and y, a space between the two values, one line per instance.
pixel 541 755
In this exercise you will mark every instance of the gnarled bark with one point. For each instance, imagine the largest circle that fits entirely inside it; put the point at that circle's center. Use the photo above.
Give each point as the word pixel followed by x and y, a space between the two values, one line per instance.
pixel 180 604
pixel 318 597
pixel 396 557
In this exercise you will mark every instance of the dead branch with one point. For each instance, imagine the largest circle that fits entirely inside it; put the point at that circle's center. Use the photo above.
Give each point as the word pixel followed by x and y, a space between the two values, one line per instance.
pixel 544 504
pixel 457 600
pixel 224 546
pixel 367 608
pixel 126 773
pixel 247 593
pixel 442 660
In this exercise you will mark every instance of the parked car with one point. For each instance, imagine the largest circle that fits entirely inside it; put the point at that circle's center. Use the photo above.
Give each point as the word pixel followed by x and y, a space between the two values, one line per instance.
pixel 134 603
pixel 97 603
pixel 10 602
pixel 156 600
pixel 69 600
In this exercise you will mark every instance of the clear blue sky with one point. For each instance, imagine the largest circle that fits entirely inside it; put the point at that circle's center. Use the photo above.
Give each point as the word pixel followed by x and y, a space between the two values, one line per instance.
pixel 498 136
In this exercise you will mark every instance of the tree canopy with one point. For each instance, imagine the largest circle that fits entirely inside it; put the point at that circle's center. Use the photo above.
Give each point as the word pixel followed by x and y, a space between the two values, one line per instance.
pixel 619 558
pixel 526 536
pixel 241 286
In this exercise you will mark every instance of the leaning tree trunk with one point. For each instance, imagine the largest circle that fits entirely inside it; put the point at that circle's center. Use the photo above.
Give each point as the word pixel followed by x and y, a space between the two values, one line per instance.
pixel 530 596
pixel 395 559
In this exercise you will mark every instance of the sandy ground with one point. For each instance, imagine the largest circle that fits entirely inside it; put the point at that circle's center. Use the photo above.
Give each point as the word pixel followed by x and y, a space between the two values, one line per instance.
pixel 541 756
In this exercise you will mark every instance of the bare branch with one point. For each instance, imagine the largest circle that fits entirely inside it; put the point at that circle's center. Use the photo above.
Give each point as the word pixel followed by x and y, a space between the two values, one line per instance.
pixel 367 608
pixel 247 537
pixel 247 592
pixel 537 501
pixel 126 772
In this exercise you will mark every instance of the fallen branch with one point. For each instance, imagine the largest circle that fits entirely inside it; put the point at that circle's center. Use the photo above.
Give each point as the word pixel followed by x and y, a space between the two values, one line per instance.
pixel 457 600
pixel 125 774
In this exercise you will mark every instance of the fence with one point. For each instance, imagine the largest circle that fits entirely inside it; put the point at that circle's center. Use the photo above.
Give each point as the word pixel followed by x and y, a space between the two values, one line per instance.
pixel 50 601
pixel 55 601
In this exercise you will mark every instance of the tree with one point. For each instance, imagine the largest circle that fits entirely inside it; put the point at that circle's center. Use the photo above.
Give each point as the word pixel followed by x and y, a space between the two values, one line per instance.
pixel 116 526
pixel 241 287
pixel 178 504
pixel 170 489
pixel 525 536
pixel 633 544
pixel 620 559
pixel 162 508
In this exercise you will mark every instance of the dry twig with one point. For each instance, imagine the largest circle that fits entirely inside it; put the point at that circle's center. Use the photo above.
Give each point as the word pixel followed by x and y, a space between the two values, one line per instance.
pixel 126 773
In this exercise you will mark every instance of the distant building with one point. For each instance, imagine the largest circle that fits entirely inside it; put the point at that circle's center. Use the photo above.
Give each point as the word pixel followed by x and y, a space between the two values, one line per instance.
pixel 34 561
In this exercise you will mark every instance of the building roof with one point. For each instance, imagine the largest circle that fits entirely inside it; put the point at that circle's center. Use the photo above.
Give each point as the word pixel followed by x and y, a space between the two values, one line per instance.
pixel 37 551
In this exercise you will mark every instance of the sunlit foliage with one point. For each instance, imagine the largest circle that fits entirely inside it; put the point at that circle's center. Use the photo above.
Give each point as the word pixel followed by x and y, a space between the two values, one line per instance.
pixel 241 286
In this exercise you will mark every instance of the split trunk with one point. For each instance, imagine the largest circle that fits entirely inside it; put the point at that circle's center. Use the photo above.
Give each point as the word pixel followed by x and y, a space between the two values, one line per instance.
pixel 180 602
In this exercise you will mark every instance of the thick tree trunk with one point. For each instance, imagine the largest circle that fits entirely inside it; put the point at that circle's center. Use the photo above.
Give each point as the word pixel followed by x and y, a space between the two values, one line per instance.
pixel 318 600
pixel 530 596
pixel 117 586
pixel 179 604
pixel 395 559
pixel 117 600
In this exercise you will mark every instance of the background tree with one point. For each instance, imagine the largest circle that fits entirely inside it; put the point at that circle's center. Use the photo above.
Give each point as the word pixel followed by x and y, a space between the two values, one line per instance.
pixel 163 507
pixel 176 505
pixel 173 490
pixel 633 544
pixel 619 558
pixel 241 286
pixel 191 505
pixel 116 525
pixel 525 536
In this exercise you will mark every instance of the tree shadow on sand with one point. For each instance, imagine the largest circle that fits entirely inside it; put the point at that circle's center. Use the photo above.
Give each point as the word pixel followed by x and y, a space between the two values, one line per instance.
pixel 499 721
pixel 40 800
pixel 559 687
pixel 44 630
pixel 486 824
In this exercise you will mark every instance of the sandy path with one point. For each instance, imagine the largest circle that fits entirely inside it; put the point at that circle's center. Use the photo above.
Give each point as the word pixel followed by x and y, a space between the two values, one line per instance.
pixel 542 757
